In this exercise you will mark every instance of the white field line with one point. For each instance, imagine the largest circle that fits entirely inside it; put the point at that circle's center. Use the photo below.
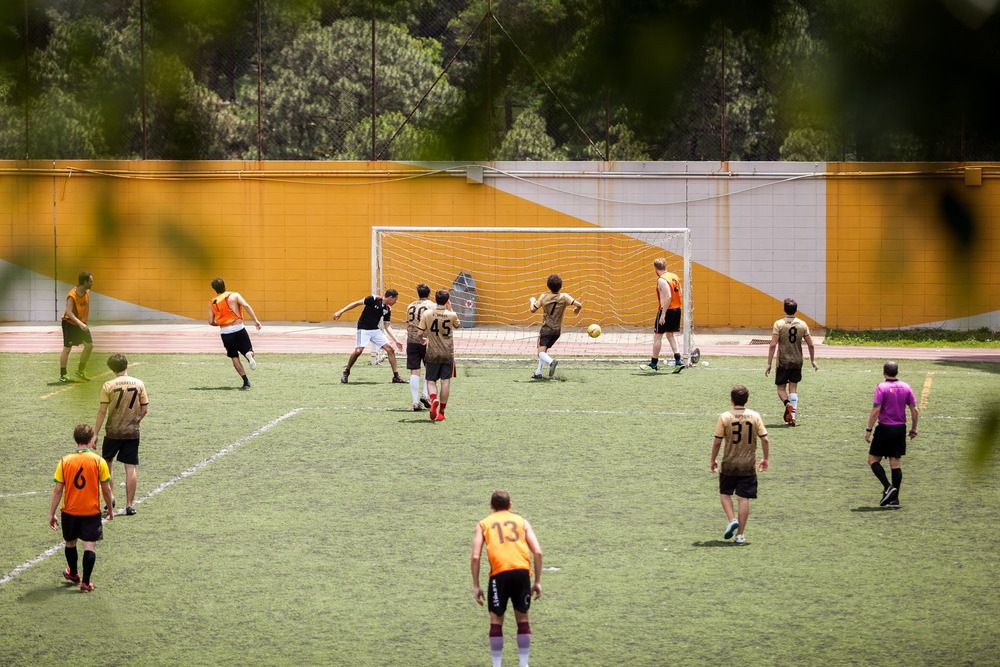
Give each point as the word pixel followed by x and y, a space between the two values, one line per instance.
pixel 187 473
pixel 14 495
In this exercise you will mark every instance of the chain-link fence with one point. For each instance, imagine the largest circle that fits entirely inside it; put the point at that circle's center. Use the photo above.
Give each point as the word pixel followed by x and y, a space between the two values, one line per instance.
pixel 448 79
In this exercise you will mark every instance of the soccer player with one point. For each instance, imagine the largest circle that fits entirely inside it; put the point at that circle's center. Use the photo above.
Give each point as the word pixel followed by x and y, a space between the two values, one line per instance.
pixel 787 337
pixel 376 309
pixel 739 428
pixel 74 326
pixel 226 312
pixel 124 401
pixel 78 476
pixel 416 345
pixel 553 306
pixel 438 326
pixel 668 315
pixel 892 397
pixel 510 543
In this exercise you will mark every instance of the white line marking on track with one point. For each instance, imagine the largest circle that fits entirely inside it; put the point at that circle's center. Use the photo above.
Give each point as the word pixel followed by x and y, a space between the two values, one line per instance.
pixel 14 495
pixel 187 473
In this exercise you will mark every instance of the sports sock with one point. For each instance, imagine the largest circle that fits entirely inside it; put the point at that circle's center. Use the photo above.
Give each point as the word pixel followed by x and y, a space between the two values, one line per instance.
pixel 425 386
pixel 794 400
pixel 544 356
pixel 523 643
pixel 441 407
pixel 246 382
pixel 433 397
pixel 71 558
pixel 415 388
pixel 496 643
pixel 89 557
pixel 62 371
pixel 677 357
pixel 541 365
pixel 880 473
pixel 653 361
pixel 897 476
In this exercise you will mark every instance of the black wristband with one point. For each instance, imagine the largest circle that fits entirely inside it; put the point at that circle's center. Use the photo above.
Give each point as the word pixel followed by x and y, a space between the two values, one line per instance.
pixel 869 430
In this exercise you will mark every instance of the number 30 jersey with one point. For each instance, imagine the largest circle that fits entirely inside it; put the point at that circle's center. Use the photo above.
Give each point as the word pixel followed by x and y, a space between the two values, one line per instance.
pixel 506 545
pixel 739 429
pixel 124 395
pixel 790 332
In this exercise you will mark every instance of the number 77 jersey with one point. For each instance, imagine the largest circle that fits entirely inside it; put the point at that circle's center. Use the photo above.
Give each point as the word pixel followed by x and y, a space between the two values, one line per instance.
pixel 124 396
pixel 506 543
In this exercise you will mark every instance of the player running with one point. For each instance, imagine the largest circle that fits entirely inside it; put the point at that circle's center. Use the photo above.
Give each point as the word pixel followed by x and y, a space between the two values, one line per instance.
pixel 787 337
pixel 553 306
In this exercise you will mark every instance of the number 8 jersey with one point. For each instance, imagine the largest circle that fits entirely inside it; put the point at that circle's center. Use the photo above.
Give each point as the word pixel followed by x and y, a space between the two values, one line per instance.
pixel 506 545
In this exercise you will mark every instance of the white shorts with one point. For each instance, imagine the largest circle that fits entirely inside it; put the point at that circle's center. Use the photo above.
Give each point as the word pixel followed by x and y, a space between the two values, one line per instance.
pixel 376 337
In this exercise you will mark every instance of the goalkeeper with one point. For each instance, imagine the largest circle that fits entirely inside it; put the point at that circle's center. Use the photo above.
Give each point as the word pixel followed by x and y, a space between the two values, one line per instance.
pixel 553 306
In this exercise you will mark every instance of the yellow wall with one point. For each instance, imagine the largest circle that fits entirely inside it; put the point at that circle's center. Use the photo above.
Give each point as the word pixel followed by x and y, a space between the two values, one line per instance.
pixel 892 259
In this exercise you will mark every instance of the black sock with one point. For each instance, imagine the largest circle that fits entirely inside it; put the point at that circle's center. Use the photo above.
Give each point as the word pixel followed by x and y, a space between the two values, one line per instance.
pixel 897 477
pixel 89 557
pixel 880 473
pixel 71 557
pixel 246 382
pixel 62 371
pixel 653 361
pixel 786 402
pixel 677 356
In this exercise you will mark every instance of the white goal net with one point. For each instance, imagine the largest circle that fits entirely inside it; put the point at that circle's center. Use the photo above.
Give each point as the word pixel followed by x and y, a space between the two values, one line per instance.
pixel 493 272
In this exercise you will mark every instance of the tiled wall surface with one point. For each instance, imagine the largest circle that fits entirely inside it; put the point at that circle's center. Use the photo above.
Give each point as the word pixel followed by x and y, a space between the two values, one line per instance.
pixel 859 246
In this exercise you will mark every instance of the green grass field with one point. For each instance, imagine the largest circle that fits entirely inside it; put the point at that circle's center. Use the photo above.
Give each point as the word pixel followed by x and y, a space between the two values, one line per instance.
pixel 341 534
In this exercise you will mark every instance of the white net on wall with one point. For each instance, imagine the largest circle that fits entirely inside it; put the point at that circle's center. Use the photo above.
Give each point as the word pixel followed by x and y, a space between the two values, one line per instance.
pixel 492 273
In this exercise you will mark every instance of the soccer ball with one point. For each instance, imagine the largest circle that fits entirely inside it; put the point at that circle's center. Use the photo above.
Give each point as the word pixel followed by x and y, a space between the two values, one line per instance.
pixel 594 330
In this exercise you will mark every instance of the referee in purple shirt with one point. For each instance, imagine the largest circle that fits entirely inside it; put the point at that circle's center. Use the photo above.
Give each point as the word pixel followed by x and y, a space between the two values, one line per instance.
pixel 892 398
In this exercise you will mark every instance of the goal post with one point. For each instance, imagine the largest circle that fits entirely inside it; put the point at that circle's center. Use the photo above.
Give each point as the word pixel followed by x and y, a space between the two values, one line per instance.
pixel 493 271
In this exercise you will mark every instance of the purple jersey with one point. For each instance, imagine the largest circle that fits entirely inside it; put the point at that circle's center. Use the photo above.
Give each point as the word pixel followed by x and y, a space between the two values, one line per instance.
pixel 893 396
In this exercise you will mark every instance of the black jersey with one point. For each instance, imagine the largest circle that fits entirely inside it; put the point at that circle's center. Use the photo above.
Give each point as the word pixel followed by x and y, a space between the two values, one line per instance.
pixel 374 311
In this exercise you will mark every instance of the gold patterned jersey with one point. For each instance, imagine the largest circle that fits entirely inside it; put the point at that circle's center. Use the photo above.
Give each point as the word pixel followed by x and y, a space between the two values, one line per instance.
pixel 553 306
pixel 790 331
pixel 439 326
pixel 414 312
pixel 739 429
pixel 124 396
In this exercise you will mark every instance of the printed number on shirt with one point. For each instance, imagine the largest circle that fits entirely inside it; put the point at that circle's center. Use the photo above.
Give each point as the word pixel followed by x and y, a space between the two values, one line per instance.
pixel 512 536
pixel 414 314
pixel 121 392
pixel 445 326
pixel 738 432
pixel 793 333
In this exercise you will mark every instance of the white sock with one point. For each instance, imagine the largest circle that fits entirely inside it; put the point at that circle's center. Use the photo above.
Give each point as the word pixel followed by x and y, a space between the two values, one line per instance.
pixel 544 356
pixel 794 400
pixel 425 387
pixel 523 648
pixel 415 388
pixel 496 650
pixel 541 364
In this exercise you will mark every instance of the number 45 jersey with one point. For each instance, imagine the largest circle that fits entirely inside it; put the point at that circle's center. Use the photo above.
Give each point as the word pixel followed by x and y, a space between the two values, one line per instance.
pixel 439 326
pixel 124 395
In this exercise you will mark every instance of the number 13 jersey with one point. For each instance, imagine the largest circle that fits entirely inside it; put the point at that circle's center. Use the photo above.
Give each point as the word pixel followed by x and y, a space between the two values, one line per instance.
pixel 506 545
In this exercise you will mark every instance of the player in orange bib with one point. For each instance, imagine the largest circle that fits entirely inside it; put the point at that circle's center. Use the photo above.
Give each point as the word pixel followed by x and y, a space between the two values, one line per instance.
pixel 668 315
pixel 74 326
pixel 510 544
pixel 226 312
pixel 79 476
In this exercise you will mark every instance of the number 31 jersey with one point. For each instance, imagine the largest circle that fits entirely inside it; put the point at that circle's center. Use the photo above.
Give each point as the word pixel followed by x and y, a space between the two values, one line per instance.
pixel 739 429
pixel 505 542
pixel 123 395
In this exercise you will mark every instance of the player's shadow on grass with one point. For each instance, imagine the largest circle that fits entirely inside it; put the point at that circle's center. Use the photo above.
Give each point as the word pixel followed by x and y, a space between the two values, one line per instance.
pixel 228 388
pixel 42 594
pixel 716 543
pixel 869 508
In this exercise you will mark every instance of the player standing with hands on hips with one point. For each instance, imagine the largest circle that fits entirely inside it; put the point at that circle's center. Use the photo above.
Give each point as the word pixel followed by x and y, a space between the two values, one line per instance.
pixel 510 545
pixel 892 397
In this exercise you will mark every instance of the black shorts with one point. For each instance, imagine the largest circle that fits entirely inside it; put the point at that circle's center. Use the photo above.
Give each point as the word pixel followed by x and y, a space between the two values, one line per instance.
pixel 414 355
pixel 745 486
pixel 437 372
pixel 671 322
pixel 548 338
pixel 86 528
pixel 889 440
pixel 513 585
pixel 126 449
pixel 785 375
pixel 74 335
pixel 237 343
